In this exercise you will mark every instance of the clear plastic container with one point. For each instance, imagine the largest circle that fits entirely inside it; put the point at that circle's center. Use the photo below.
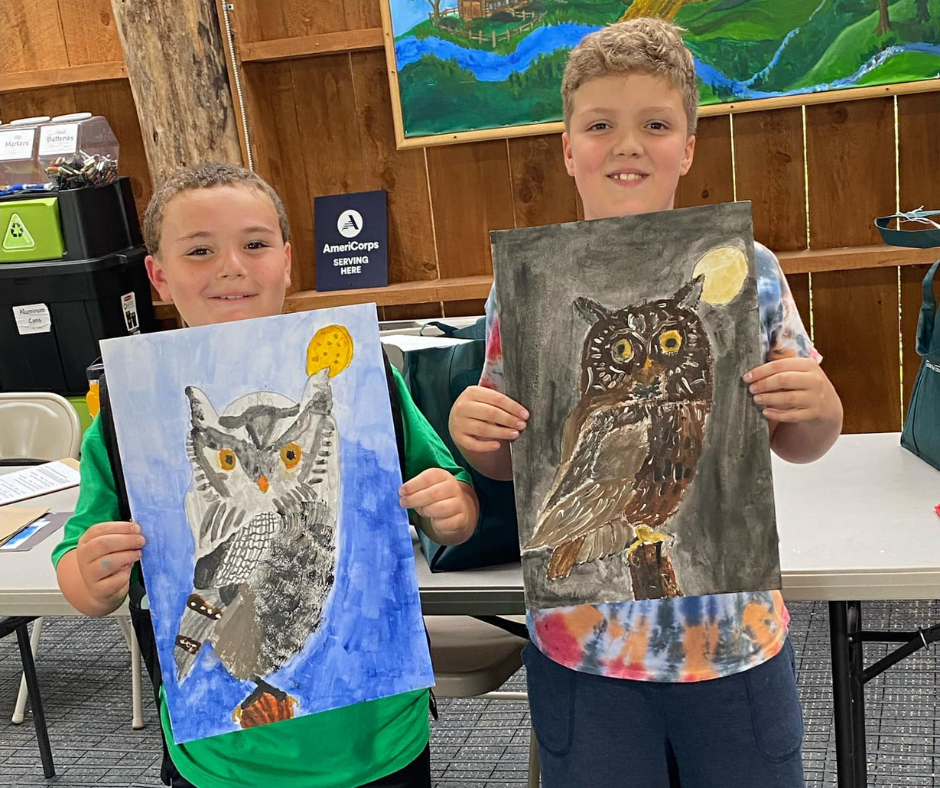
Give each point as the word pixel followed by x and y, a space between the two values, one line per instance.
pixel 19 152
pixel 78 150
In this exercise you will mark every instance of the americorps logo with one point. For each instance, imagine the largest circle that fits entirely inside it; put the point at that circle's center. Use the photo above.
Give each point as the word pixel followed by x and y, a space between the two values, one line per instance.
pixel 349 223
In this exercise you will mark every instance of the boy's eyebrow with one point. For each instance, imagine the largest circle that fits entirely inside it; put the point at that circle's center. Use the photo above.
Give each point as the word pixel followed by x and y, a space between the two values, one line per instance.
pixel 664 108
pixel 206 234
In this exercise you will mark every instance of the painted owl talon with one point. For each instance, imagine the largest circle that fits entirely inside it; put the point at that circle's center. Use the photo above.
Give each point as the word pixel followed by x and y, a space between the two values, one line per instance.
pixel 265 705
pixel 646 535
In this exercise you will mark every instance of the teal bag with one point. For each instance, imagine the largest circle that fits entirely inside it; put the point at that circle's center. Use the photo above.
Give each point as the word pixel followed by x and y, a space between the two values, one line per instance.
pixel 921 433
pixel 436 377
pixel 922 427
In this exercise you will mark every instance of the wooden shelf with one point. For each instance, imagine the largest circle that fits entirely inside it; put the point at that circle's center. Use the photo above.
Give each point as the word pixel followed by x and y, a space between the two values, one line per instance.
pixel 476 287
pixel 308 46
pixel 431 291
pixel 848 258
pixel 53 77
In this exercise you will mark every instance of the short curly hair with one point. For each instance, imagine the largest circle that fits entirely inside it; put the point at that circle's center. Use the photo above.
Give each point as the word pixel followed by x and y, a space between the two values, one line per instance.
pixel 644 45
pixel 205 176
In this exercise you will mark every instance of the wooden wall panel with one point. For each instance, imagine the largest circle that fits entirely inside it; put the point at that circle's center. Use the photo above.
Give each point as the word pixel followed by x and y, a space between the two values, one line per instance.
pixel 856 330
pixel 850 157
pixel 768 167
pixel 31 36
pixel 403 174
pixel 278 150
pixel 470 195
pixel 711 178
pixel 542 190
pixel 91 35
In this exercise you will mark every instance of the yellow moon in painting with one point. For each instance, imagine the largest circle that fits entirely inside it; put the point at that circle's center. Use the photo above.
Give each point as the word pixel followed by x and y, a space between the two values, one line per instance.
pixel 331 348
pixel 725 270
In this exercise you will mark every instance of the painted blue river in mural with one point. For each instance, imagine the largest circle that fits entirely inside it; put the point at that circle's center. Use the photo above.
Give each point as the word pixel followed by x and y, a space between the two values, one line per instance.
pixel 492 67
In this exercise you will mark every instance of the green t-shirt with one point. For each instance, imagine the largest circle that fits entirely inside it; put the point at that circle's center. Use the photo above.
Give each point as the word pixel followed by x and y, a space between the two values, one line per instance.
pixel 341 748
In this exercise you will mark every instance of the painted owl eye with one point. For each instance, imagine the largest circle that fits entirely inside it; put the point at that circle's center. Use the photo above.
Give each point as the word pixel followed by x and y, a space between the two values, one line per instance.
pixel 670 341
pixel 290 455
pixel 622 350
pixel 227 459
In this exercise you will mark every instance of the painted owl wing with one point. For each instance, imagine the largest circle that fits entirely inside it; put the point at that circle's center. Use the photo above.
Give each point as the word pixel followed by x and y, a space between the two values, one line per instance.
pixel 579 520
pixel 234 561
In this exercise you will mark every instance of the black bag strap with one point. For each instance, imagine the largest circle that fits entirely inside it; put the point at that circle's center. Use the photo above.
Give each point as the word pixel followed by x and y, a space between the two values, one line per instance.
pixel 397 420
pixel 111 444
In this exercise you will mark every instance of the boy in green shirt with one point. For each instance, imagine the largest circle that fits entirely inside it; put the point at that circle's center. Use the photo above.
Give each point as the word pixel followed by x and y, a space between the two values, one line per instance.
pixel 218 238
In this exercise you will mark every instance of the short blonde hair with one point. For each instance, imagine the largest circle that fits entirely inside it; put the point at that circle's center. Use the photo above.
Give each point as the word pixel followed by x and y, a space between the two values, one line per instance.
pixel 645 45
pixel 205 176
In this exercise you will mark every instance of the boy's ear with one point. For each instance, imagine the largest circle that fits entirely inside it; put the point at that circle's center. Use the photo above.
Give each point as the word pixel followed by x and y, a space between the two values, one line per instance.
pixel 287 263
pixel 157 277
pixel 687 155
pixel 566 150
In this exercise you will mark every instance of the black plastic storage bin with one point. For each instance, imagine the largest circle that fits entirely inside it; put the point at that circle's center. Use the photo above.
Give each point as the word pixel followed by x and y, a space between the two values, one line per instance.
pixel 85 303
pixel 87 292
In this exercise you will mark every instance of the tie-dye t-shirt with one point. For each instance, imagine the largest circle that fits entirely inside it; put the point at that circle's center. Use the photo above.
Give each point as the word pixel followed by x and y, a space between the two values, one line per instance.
pixel 687 638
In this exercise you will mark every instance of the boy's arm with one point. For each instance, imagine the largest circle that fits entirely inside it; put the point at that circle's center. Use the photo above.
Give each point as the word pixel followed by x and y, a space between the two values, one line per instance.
pixel 802 406
pixel 798 400
pixel 436 487
pixel 94 559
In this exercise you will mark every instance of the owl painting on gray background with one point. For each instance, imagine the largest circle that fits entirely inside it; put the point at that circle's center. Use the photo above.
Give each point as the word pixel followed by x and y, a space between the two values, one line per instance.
pixel 645 469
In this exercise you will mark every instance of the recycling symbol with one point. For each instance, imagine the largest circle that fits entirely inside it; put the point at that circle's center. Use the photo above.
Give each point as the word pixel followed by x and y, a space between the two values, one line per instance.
pixel 17 237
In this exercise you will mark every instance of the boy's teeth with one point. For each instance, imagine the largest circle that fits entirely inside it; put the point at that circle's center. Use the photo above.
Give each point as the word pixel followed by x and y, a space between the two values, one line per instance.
pixel 628 176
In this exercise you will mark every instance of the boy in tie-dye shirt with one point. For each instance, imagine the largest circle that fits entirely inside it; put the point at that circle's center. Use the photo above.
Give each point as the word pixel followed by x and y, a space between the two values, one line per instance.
pixel 691 691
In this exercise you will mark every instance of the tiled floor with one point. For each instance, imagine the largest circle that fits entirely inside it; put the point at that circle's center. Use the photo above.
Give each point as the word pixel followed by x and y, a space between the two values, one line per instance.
pixel 84 675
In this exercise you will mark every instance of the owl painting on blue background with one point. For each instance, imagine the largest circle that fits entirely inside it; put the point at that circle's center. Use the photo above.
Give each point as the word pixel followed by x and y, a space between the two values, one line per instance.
pixel 278 563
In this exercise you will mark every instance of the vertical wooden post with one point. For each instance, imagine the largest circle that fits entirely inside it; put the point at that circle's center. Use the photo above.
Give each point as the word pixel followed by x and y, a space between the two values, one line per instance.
pixel 176 65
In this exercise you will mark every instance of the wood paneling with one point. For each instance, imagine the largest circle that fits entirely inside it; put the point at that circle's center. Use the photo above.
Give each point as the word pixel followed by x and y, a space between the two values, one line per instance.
pixel 768 166
pixel 856 330
pixel 470 195
pixel 711 177
pixel 31 36
pixel 850 157
pixel 90 33
pixel 542 190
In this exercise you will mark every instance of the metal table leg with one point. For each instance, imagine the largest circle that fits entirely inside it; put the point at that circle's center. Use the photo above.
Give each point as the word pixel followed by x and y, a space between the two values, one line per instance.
pixel 857 684
pixel 39 717
pixel 842 694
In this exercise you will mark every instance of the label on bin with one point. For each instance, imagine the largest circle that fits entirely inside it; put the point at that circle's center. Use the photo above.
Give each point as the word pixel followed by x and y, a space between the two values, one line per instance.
pixel 54 140
pixel 16 144
pixel 17 237
pixel 32 319
pixel 129 305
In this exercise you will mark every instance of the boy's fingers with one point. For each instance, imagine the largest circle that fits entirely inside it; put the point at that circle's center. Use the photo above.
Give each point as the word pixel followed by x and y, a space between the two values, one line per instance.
pixel 479 394
pixel 103 529
pixel 447 523
pixel 797 414
pixel 483 429
pixel 782 381
pixel 424 480
pixel 436 492
pixel 469 443
pixel 440 509
pixel 783 400
pixel 112 564
pixel 111 543
pixel 113 584
pixel 494 414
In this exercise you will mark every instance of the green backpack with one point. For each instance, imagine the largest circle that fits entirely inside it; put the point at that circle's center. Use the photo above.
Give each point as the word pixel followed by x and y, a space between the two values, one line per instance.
pixel 436 376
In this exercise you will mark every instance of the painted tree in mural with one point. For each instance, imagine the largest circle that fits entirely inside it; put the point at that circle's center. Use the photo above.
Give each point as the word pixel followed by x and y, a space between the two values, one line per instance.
pixel 884 23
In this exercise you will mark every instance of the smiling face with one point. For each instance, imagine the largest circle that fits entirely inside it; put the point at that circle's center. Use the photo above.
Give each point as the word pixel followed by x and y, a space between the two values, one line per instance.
pixel 627 144
pixel 222 256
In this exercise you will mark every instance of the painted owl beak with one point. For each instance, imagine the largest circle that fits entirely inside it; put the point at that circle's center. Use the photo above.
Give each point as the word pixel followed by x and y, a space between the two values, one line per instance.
pixel 647 365
pixel 263 484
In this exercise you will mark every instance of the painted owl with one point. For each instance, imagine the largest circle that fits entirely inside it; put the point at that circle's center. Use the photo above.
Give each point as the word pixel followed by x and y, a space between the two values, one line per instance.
pixel 263 513
pixel 632 442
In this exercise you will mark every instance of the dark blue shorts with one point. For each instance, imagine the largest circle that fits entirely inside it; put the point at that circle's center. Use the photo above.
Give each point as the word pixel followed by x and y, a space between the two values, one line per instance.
pixel 741 731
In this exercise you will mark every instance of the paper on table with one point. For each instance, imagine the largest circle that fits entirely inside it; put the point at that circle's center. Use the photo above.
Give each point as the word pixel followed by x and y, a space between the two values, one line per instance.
pixel 14 520
pixel 38 480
